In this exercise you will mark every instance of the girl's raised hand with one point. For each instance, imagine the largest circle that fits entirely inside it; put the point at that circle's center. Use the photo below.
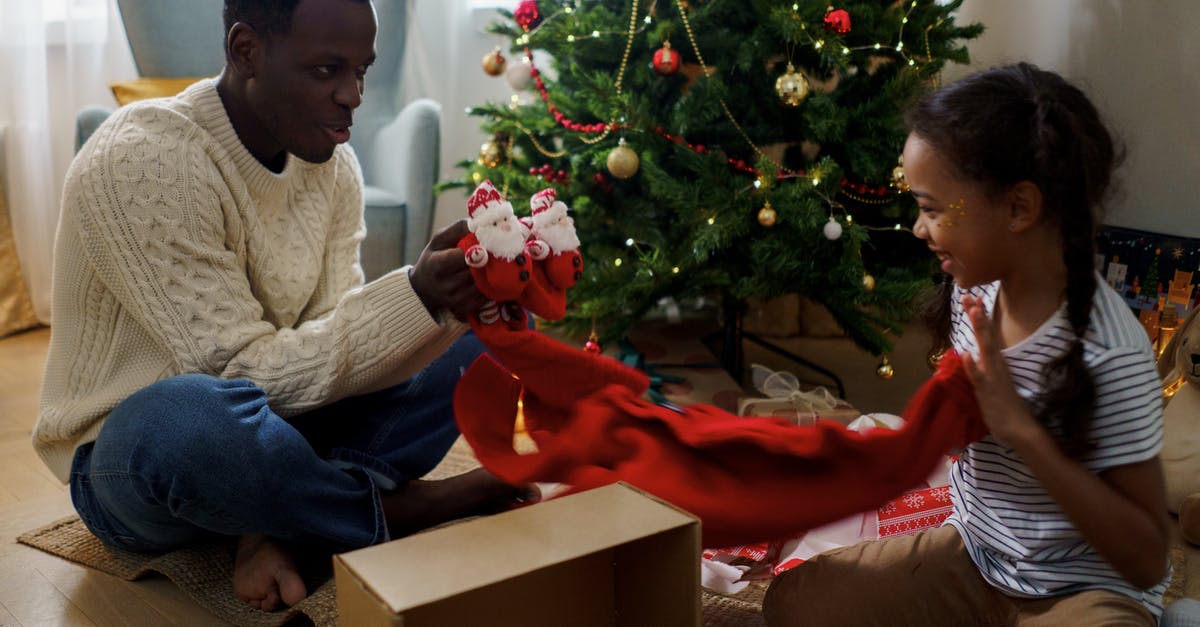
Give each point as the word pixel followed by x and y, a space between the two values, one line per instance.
pixel 1005 412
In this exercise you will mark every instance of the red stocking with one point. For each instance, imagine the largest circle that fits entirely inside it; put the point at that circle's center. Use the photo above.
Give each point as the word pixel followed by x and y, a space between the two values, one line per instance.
pixel 748 479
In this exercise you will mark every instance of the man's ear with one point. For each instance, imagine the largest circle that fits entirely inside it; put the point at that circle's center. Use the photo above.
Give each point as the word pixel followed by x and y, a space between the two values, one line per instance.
pixel 1025 206
pixel 242 47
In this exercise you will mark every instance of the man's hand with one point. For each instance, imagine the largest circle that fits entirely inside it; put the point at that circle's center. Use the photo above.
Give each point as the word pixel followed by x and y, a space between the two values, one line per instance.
pixel 441 277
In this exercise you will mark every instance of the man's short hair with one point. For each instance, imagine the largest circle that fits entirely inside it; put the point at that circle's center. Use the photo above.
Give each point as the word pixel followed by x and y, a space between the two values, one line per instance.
pixel 268 17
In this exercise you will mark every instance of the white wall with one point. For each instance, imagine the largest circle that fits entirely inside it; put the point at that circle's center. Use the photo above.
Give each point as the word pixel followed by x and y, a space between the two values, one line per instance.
pixel 1139 60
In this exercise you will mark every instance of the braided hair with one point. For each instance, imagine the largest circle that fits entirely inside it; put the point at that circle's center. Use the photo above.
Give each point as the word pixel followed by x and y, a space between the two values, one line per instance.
pixel 1020 123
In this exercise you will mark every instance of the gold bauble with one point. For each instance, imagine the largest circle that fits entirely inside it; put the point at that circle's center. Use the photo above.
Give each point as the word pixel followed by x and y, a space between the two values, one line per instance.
pixel 491 154
pixel 885 370
pixel 868 282
pixel 792 87
pixel 898 180
pixel 494 63
pixel 622 161
pixel 766 215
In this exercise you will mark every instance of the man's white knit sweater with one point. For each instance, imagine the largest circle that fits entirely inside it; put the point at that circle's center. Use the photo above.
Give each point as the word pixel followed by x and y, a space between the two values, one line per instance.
pixel 178 252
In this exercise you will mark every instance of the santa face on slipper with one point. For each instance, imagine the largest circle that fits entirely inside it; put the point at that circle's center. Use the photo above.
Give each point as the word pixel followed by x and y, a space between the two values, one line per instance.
pixel 495 247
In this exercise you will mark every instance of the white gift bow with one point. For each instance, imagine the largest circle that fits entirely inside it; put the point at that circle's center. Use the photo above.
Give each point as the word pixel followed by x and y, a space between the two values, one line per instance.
pixel 784 385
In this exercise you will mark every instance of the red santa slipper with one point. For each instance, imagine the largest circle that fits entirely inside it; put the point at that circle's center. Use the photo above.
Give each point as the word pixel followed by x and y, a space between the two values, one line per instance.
pixel 554 247
pixel 495 246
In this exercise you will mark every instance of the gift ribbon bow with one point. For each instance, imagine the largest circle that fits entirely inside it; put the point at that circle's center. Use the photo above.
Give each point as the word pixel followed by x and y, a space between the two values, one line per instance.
pixel 782 385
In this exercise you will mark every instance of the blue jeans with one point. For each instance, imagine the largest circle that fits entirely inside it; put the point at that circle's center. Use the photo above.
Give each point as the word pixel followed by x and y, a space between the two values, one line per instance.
pixel 195 456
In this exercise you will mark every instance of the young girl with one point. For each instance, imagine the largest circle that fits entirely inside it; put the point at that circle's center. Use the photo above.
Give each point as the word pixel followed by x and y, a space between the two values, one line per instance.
pixel 1059 514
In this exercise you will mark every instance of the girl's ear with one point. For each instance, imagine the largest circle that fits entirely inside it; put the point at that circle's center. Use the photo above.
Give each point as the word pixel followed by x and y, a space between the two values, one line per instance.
pixel 1025 206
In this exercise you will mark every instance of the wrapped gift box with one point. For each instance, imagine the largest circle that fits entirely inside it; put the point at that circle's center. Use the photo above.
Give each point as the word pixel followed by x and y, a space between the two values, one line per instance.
pixel 787 409
pixel 914 511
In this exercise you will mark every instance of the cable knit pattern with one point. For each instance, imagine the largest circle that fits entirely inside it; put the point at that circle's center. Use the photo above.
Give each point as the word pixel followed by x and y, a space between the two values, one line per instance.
pixel 178 252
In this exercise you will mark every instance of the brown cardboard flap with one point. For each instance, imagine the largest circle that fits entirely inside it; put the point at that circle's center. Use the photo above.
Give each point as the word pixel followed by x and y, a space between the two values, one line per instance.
pixel 610 554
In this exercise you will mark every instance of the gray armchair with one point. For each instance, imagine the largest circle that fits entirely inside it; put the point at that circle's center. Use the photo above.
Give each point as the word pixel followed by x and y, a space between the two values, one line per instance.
pixel 397 146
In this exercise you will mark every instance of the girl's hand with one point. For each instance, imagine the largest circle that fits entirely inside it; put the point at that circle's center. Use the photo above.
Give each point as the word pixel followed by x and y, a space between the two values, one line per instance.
pixel 1005 412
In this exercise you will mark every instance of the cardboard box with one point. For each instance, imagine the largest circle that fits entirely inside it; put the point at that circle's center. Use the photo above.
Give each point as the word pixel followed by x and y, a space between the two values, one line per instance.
pixel 613 556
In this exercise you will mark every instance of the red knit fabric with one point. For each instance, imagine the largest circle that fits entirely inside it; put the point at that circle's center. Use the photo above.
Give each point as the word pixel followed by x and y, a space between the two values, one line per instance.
pixel 747 479
pixel 500 279
pixel 541 295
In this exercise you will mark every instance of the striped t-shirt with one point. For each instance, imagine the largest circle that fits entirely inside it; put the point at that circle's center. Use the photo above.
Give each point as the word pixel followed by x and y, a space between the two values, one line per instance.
pixel 1017 535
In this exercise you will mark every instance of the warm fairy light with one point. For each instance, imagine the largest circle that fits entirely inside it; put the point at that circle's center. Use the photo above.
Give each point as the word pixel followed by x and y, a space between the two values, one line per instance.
pixel 595 33
pixel 816 181
pixel 900 46
pixel 617 262
pixel 849 219
pixel 878 46
pixel 647 19
pixel 795 7
pixel 904 21
pixel 757 183
pixel 712 221
pixel 912 62
pixel 675 270
pixel 570 39
pixel 845 50
pixel 820 42
pixel 629 242
pixel 568 10
pixel 897 227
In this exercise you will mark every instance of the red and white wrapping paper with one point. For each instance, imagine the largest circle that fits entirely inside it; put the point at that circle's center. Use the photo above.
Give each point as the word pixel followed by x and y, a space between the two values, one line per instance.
pixel 729 570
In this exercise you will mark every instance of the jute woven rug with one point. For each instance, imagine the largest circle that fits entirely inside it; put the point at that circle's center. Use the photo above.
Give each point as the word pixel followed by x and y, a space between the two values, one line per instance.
pixel 205 572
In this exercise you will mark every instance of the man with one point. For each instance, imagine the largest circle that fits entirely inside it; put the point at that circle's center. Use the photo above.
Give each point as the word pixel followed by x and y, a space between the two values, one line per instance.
pixel 217 366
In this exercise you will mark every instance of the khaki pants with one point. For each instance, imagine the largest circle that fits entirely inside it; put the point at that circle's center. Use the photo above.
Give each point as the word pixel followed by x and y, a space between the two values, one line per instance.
pixel 927 580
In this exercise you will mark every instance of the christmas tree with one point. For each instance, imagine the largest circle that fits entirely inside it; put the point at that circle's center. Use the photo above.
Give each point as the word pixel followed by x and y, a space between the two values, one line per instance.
pixel 712 149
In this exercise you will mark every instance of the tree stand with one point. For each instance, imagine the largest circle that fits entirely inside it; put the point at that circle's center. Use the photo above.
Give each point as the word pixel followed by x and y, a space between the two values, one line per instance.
pixel 733 354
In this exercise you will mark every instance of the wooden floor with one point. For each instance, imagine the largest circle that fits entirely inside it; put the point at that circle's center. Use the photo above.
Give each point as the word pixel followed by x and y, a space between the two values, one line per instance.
pixel 40 589
pixel 37 588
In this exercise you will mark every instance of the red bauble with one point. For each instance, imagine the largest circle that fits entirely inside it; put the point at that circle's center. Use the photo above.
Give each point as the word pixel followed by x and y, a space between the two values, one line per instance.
pixel 593 346
pixel 666 61
pixel 838 21
pixel 527 15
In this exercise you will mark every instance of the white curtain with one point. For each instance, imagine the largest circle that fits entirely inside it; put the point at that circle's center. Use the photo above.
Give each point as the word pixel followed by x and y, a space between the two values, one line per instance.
pixel 56 56
pixel 443 55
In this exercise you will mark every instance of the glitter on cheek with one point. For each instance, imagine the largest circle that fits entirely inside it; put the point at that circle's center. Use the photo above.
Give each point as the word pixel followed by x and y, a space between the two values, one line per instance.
pixel 958 210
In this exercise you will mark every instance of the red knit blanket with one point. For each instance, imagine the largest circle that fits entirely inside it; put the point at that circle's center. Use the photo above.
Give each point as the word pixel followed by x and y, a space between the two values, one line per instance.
pixel 747 479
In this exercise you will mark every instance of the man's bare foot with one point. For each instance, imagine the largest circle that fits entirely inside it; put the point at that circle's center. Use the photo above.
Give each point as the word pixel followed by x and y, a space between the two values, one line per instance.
pixel 264 574
pixel 421 504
